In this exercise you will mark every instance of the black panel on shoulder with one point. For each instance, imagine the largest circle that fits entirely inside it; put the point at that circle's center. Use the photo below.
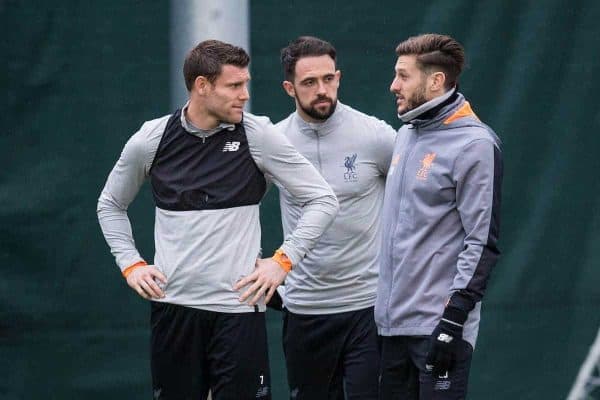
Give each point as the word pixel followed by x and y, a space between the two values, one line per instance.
pixel 192 173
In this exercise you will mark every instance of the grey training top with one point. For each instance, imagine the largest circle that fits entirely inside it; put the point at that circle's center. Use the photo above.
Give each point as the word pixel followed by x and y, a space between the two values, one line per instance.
pixel 441 218
pixel 352 151
pixel 204 252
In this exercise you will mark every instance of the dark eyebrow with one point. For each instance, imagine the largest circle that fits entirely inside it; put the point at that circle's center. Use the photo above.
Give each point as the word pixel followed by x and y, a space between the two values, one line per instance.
pixel 316 77
pixel 239 82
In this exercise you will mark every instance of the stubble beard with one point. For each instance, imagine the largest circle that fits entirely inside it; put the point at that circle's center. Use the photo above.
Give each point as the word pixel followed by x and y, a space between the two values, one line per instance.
pixel 417 99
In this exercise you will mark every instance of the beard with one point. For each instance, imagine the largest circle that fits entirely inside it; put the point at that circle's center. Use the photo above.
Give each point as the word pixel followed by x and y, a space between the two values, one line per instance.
pixel 416 100
pixel 313 112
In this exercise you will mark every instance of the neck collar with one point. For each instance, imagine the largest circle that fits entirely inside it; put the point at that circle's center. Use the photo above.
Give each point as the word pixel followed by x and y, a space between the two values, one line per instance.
pixel 193 129
pixel 428 110
pixel 321 128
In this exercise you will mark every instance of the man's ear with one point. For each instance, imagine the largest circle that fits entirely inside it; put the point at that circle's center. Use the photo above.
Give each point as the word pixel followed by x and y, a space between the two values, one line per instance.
pixel 289 88
pixel 201 85
pixel 437 80
pixel 338 77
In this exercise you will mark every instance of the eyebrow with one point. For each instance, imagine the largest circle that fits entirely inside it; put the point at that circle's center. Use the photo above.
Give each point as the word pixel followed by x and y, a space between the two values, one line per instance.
pixel 235 82
pixel 317 77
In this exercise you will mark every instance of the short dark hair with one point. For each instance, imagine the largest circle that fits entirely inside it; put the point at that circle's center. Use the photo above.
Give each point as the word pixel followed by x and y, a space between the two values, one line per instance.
pixel 304 46
pixel 435 51
pixel 208 58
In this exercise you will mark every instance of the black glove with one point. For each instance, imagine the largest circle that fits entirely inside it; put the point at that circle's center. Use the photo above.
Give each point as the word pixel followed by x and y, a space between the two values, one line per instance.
pixel 444 341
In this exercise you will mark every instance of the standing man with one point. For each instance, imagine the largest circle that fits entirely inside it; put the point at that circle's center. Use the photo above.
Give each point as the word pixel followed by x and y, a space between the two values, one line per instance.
pixel 208 164
pixel 329 333
pixel 441 216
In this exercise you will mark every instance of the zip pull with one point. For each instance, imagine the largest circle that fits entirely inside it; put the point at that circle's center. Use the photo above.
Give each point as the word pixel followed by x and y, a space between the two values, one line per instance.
pixel 203 139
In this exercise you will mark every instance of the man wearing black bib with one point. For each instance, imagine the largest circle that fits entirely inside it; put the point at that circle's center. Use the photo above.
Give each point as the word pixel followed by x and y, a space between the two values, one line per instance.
pixel 208 165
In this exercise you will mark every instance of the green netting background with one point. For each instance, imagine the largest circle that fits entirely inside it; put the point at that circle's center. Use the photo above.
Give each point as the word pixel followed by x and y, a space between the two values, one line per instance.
pixel 78 78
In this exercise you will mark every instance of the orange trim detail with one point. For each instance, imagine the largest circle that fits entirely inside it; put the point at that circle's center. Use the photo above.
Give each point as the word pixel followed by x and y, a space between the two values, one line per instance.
pixel 464 111
pixel 130 269
pixel 284 262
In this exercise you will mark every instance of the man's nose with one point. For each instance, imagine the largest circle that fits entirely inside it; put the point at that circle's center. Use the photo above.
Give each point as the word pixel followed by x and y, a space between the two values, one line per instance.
pixel 245 94
pixel 321 89
pixel 395 86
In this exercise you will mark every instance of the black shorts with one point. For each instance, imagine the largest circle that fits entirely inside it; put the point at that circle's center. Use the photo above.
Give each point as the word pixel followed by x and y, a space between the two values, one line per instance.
pixel 404 376
pixel 194 351
pixel 333 356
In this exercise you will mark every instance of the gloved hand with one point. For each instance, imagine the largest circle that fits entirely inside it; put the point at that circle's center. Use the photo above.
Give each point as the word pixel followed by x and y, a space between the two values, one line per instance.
pixel 444 341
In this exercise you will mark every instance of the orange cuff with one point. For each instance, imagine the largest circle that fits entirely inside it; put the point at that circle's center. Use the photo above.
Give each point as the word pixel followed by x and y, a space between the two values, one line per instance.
pixel 130 269
pixel 284 262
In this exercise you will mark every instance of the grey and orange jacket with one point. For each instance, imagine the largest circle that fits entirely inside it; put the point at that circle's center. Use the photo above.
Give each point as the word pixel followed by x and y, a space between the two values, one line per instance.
pixel 440 219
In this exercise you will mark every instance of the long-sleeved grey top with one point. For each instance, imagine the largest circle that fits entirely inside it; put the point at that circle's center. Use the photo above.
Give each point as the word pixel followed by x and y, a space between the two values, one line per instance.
pixel 209 236
pixel 353 152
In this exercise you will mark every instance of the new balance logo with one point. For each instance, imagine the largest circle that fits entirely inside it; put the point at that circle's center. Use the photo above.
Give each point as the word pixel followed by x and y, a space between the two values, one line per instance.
pixel 262 392
pixel 444 338
pixel 231 146
pixel 442 384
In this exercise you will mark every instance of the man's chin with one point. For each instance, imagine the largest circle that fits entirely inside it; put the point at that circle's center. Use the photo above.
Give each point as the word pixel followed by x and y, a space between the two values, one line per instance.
pixel 322 112
pixel 234 117
pixel 408 108
pixel 321 115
